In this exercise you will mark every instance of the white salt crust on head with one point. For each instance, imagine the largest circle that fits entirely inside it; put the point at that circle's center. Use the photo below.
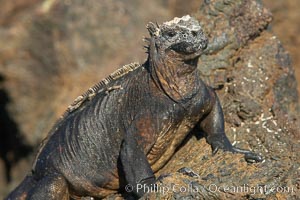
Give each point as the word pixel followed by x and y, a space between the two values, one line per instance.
pixel 176 20
pixel 184 22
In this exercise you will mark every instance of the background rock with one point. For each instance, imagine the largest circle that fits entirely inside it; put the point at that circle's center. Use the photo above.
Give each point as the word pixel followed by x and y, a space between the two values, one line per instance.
pixel 50 51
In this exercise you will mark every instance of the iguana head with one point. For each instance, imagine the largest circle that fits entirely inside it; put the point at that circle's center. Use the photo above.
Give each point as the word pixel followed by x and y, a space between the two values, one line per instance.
pixel 182 37
pixel 173 52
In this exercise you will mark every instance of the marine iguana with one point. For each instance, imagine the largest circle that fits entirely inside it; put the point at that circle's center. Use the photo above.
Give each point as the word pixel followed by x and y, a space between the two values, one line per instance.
pixel 125 128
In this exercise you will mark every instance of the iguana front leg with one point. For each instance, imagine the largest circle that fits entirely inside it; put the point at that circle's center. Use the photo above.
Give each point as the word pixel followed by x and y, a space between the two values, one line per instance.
pixel 135 166
pixel 213 127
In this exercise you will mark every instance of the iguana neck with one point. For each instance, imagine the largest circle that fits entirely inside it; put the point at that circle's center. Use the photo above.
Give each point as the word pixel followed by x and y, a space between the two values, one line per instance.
pixel 176 78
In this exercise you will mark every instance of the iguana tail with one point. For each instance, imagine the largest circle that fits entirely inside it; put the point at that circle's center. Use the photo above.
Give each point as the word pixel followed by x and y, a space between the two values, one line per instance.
pixel 50 187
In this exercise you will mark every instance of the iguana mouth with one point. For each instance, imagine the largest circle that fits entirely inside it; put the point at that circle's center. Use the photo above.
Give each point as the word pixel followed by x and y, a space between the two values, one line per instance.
pixel 193 56
pixel 193 51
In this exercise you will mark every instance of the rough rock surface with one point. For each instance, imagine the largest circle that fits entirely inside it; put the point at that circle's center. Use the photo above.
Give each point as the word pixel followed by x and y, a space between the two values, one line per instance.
pixel 255 82
pixel 246 64
pixel 286 14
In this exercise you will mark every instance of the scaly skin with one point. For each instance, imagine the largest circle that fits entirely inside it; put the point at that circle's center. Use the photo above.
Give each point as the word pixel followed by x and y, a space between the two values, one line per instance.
pixel 126 134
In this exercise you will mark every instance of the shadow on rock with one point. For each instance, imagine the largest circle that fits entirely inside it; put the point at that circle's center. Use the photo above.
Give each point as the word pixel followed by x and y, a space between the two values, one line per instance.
pixel 12 146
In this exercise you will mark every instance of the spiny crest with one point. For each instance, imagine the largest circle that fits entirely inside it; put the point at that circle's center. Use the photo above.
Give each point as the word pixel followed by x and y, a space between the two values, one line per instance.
pixel 153 29
pixel 147 46
pixel 99 87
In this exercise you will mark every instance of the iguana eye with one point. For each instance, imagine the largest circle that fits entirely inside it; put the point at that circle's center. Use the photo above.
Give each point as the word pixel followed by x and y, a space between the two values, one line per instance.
pixel 170 33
